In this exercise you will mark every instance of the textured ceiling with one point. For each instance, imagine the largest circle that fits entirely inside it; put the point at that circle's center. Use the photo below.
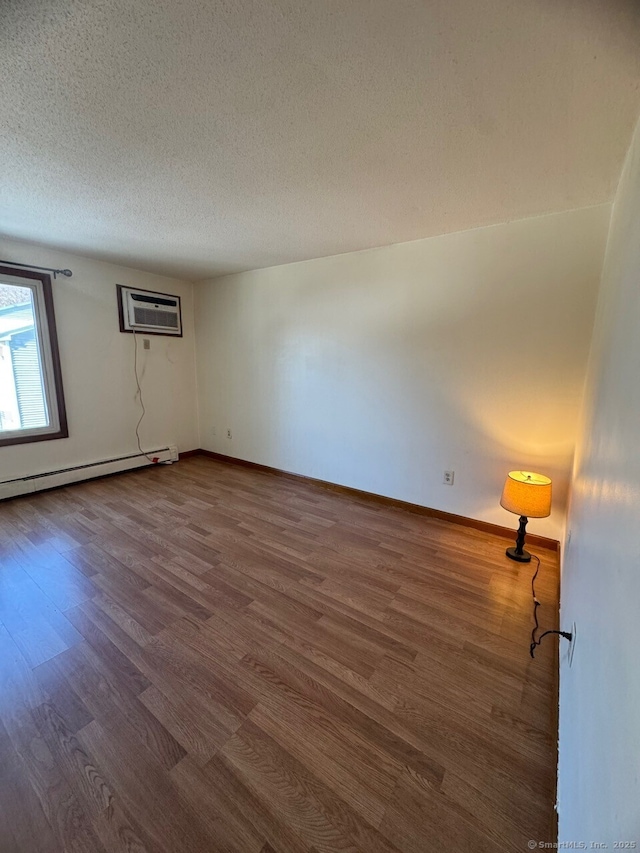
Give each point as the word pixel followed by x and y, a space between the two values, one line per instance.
pixel 196 137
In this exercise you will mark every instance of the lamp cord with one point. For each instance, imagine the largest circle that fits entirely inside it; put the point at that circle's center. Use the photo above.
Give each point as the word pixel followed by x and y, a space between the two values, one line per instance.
pixel 535 643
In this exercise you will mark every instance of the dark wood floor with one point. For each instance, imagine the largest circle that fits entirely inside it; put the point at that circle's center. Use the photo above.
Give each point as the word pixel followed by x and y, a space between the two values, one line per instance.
pixel 208 658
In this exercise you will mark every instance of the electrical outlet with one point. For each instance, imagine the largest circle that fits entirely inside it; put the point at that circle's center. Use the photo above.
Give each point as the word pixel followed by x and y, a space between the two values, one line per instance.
pixel 572 645
pixel 448 478
pixel 229 434
pixel 146 343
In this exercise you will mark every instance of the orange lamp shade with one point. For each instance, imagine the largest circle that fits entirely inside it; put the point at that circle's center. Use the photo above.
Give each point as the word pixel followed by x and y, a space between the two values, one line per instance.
pixel 527 494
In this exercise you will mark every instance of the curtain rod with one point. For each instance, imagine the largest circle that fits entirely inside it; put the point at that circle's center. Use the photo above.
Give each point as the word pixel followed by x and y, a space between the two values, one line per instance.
pixel 56 273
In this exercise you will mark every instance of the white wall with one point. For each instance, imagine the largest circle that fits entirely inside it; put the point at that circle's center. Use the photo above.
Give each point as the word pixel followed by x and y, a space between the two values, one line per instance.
pixel 97 368
pixel 381 369
pixel 599 772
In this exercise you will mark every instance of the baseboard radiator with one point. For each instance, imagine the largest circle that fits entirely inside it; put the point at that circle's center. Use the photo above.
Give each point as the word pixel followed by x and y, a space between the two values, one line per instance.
pixel 50 480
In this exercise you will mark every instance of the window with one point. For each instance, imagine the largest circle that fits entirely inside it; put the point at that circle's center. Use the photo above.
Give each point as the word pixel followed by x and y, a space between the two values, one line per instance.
pixel 31 398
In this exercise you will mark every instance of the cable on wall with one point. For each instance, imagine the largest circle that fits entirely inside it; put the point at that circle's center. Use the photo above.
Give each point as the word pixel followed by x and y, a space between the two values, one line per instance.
pixel 153 459
pixel 536 642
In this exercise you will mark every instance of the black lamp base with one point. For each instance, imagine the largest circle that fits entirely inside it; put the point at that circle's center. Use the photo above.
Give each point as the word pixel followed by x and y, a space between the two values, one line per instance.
pixel 518 553
pixel 523 557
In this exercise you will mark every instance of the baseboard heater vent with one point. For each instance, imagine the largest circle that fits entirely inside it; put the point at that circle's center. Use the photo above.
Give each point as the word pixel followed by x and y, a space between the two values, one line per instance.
pixel 64 476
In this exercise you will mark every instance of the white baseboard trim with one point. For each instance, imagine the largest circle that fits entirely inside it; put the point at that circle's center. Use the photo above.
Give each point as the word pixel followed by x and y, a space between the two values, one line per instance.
pixel 52 479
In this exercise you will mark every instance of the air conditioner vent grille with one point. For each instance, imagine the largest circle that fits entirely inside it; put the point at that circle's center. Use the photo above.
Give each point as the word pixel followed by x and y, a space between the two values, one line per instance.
pixel 153 317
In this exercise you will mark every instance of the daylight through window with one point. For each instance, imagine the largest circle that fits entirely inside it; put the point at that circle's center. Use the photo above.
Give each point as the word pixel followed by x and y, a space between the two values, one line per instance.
pixel 31 399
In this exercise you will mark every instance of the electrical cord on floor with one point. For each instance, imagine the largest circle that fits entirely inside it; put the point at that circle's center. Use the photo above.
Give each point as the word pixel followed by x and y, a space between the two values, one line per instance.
pixel 139 395
pixel 535 643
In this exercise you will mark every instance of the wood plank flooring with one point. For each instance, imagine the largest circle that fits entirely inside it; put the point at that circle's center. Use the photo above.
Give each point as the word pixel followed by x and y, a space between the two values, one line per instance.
pixel 208 658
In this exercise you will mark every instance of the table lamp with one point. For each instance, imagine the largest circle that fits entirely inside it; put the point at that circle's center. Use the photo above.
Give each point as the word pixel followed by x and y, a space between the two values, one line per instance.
pixel 529 496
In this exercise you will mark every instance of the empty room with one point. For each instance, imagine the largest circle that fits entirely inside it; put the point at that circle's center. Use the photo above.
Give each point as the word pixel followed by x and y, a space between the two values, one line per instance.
pixel 319 423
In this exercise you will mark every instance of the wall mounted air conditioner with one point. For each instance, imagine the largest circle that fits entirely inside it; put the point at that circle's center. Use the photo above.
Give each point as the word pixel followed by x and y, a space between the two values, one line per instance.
pixel 149 313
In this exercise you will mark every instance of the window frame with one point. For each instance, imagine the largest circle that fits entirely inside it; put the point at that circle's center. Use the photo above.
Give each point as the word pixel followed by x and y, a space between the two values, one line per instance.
pixel 52 377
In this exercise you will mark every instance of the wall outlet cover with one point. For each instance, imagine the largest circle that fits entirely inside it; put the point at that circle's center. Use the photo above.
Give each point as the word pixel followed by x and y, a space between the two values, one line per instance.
pixel 572 645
